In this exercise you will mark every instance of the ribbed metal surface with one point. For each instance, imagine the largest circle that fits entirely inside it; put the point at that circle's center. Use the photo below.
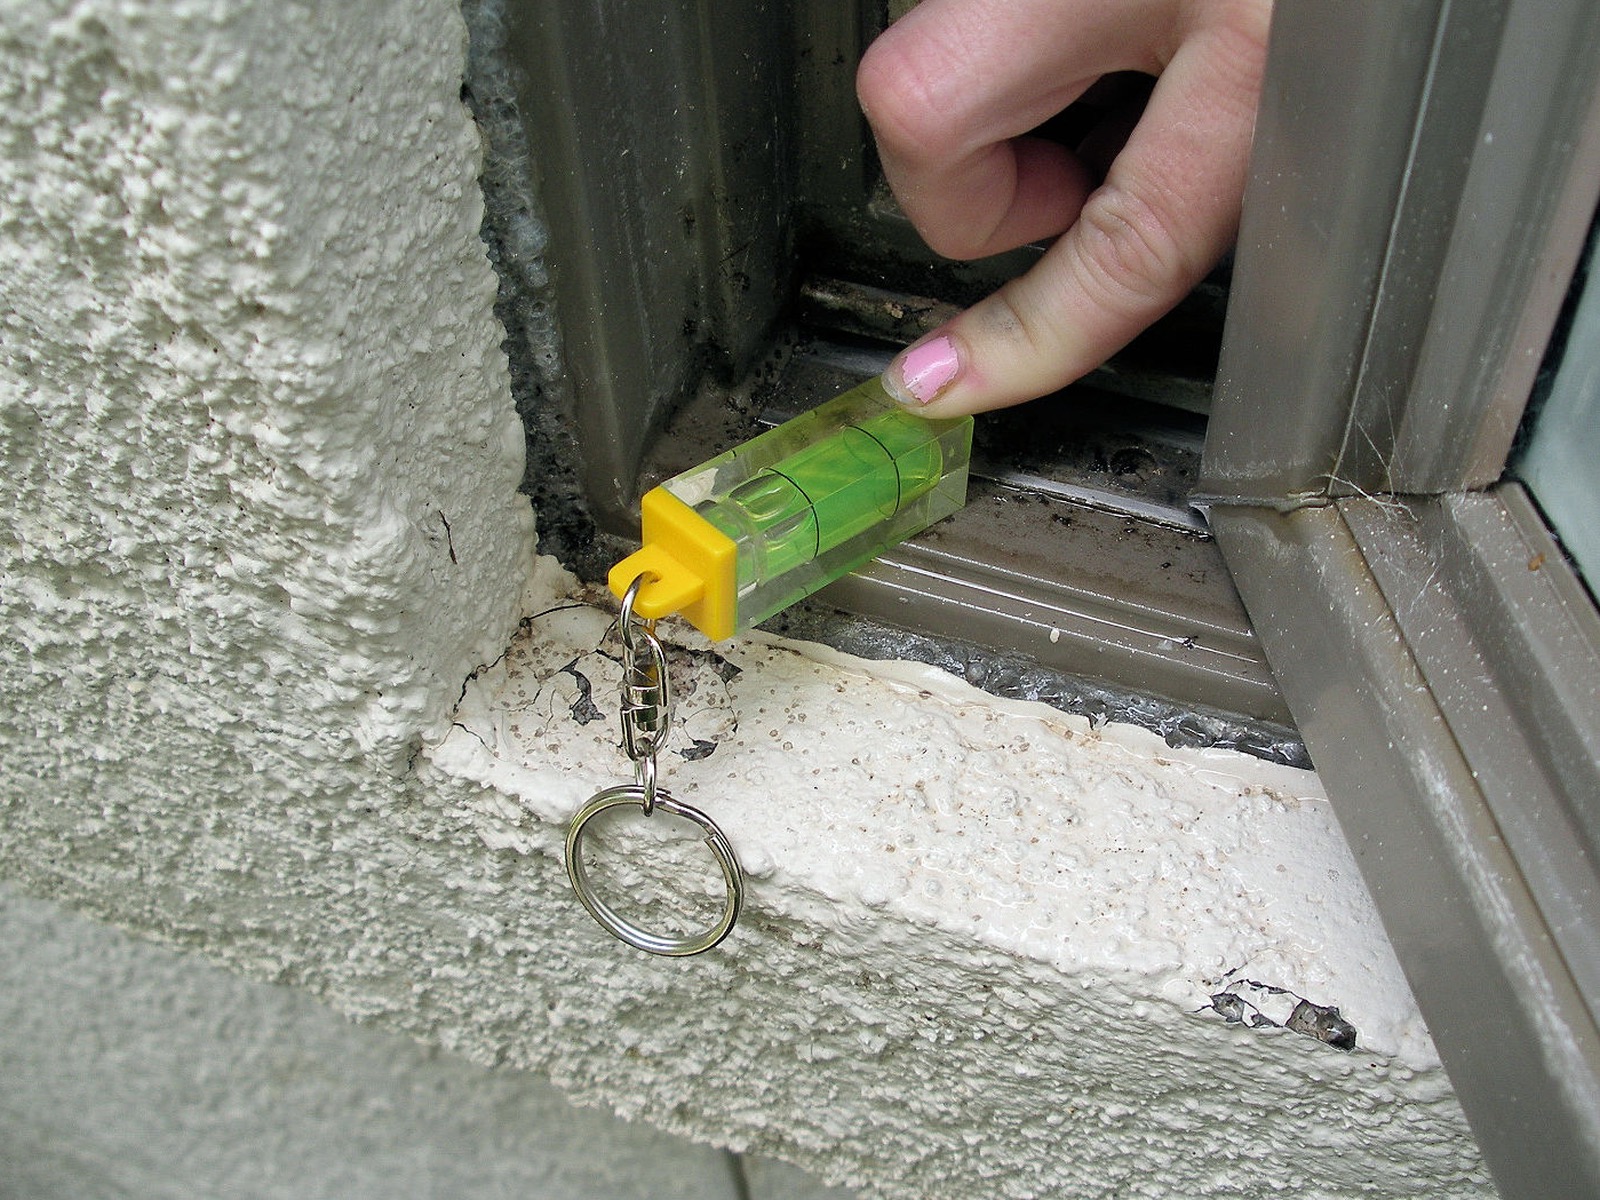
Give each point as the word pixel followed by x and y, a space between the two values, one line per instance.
pixel 1423 178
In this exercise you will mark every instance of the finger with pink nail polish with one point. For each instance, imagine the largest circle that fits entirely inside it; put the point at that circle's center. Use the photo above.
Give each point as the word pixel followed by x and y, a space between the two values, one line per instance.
pixel 923 371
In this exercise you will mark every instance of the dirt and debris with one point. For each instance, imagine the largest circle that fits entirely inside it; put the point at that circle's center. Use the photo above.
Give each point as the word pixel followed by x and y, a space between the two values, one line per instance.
pixel 586 688
pixel 1321 1021
pixel 583 707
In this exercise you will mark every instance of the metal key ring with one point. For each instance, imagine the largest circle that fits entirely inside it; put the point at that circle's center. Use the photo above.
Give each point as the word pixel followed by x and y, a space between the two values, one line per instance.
pixel 673 945
pixel 626 619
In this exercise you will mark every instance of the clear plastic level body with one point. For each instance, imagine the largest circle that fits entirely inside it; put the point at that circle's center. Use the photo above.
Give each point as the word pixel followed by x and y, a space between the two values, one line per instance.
pixel 788 512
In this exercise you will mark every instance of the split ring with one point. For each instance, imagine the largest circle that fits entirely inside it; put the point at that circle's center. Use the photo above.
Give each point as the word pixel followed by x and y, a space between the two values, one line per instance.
pixel 673 945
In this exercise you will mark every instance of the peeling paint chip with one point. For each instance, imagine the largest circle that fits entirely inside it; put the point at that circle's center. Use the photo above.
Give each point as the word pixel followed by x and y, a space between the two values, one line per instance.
pixel 700 749
pixel 583 708
pixel 1323 1022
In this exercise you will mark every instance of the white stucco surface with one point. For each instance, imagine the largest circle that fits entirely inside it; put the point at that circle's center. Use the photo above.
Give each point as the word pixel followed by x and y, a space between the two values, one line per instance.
pixel 254 406
pixel 257 468
pixel 259 463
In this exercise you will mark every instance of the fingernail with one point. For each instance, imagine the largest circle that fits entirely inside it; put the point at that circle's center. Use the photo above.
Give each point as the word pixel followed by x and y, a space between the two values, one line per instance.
pixel 923 371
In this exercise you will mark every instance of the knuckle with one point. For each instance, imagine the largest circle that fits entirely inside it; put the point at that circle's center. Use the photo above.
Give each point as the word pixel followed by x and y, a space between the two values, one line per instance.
pixel 900 92
pixel 1248 20
pixel 1238 59
pixel 1130 256
pixel 961 243
pixel 1236 33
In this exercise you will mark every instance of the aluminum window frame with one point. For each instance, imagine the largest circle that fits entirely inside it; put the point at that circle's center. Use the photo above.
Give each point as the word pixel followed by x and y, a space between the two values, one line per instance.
pixel 681 154
pixel 1423 179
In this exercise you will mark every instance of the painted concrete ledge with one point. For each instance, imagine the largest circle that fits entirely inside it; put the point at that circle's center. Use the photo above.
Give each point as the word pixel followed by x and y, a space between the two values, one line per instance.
pixel 981 946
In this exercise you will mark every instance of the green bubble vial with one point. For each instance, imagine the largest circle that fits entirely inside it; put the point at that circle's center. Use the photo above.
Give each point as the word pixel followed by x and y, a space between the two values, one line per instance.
pixel 750 532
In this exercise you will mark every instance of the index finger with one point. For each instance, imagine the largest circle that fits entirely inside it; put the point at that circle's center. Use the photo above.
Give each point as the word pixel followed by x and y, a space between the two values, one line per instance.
pixel 1167 211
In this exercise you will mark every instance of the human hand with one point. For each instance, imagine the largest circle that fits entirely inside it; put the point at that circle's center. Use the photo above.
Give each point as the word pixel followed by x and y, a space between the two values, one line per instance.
pixel 951 91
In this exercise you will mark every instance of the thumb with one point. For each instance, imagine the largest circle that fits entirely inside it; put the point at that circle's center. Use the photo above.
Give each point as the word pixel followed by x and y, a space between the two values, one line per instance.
pixel 1165 215
pixel 1042 330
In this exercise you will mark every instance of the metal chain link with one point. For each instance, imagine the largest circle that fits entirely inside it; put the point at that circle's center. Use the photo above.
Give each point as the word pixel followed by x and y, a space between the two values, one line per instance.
pixel 646 696
pixel 646 713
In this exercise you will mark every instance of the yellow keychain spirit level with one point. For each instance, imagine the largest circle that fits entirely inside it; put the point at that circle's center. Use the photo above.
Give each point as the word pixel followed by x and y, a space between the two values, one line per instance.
pixel 741 537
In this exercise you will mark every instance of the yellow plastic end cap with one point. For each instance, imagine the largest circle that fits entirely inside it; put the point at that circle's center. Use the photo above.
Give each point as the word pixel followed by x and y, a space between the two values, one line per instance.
pixel 693 564
pixel 669 586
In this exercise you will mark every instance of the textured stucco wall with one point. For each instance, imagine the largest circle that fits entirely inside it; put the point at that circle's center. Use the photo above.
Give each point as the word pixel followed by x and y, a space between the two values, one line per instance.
pixel 258 460
pixel 257 466
pixel 258 482
pixel 135 1071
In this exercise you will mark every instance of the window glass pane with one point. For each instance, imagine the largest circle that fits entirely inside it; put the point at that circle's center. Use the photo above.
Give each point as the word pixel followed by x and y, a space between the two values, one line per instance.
pixel 1560 460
